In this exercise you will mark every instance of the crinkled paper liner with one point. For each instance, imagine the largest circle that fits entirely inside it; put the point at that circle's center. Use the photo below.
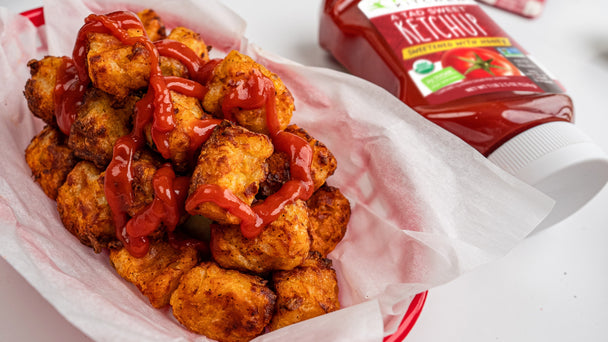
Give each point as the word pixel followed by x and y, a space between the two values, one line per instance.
pixel 425 206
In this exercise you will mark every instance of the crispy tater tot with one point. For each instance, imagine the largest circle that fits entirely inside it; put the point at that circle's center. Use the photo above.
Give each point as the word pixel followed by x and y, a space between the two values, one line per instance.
pixel 235 70
pixel 233 158
pixel 323 164
pixel 192 40
pixel 171 66
pixel 98 125
pixel 83 208
pixel 329 213
pixel 187 112
pixel 40 88
pixel 158 273
pixel 144 166
pixel 50 160
pixel 224 305
pixel 307 291
pixel 116 68
pixel 282 245
pixel 155 29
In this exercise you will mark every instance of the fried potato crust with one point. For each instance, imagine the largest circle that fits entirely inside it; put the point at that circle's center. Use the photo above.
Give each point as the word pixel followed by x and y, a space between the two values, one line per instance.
pixel 40 88
pixel 50 160
pixel 233 158
pixel 99 123
pixel 187 111
pixel 234 71
pixel 158 273
pixel 329 213
pixel 278 174
pixel 282 245
pixel 192 40
pixel 155 29
pixel 172 67
pixel 83 208
pixel 116 68
pixel 308 291
pixel 323 164
pixel 144 166
pixel 224 305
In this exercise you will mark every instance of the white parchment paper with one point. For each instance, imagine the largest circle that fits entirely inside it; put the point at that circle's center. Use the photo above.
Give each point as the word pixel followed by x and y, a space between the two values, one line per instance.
pixel 425 206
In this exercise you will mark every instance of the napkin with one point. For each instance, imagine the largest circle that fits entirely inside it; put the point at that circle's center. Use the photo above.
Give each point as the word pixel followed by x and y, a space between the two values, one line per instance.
pixel 426 207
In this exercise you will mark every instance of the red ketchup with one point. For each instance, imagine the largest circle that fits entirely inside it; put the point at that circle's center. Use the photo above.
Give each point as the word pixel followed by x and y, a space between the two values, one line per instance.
pixel 447 60
pixel 156 109
pixel 258 91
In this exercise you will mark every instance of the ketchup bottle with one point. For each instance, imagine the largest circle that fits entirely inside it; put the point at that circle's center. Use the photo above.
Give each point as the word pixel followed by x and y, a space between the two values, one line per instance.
pixel 452 64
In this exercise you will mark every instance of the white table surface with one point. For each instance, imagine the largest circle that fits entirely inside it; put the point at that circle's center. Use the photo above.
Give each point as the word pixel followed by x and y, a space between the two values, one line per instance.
pixel 552 287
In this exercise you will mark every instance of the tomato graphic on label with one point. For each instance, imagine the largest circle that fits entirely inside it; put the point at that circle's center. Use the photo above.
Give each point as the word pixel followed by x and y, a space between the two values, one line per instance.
pixel 478 63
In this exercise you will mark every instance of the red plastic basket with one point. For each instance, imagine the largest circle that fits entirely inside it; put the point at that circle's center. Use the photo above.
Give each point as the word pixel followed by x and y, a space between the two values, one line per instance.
pixel 36 16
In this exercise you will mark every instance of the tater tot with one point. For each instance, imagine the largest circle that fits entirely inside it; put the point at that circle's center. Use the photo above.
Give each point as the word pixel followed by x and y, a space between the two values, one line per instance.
pixel 235 70
pixel 187 112
pixel 40 88
pixel 224 305
pixel 192 40
pixel 329 213
pixel 116 68
pixel 232 158
pixel 155 29
pixel 158 273
pixel 98 125
pixel 83 208
pixel 323 164
pixel 144 166
pixel 282 245
pixel 307 291
pixel 171 66
pixel 50 160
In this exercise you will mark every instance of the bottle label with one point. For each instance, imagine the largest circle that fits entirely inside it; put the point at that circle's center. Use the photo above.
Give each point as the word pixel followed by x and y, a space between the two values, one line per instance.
pixel 451 49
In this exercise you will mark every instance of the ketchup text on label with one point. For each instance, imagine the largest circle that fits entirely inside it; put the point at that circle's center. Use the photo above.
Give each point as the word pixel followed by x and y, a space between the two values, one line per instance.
pixel 436 23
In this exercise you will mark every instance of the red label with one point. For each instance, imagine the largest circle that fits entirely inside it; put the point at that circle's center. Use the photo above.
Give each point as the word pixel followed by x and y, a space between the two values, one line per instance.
pixel 452 49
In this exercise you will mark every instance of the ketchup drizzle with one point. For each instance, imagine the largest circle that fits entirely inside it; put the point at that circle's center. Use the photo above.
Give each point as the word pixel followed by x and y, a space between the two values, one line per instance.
pixel 170 192
pixel 155 108
pixel 69 87
pixel 256 92
pixel 198 69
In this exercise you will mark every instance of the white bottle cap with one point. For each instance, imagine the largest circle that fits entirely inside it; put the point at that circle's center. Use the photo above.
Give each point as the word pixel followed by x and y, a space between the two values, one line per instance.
pixel 558 159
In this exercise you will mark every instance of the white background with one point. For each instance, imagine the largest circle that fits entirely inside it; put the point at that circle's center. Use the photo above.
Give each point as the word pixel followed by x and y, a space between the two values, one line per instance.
pixel 552 287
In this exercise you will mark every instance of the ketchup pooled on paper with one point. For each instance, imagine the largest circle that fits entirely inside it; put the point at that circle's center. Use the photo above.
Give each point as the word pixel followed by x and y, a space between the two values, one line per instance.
pixel 449 61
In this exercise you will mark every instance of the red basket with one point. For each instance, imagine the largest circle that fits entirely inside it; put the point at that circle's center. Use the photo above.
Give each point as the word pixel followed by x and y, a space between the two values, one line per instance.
pixel 36 16
pixel 409 319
